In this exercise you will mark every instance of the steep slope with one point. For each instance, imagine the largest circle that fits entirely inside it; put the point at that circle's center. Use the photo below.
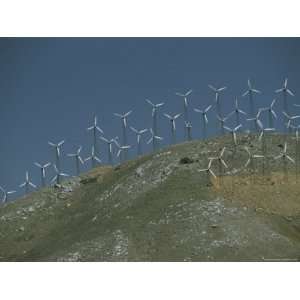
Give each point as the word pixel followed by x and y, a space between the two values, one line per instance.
pixel 161 208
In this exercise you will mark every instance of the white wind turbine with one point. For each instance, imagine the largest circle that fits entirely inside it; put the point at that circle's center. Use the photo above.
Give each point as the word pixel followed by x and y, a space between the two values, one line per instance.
pixel 121 149
pixel 95 128
pixel 188 126
pixel 237 111
pixel 256 120
pixel 123 118
pixel 222 121
pixel 204 118
pixel 209 172
pixel 284 158
pixel 93 158
pixel 78 159
pixel 27 183
pixel 233 132
pixel 251 158
pixel 173 126
pixel 217 92
pixel 57 152
pixel 220 160
pixel 290 119
pixel 297 147
pixel 250 92
pixel 6 194
pixel 43 172
pixel 285 91
pixel 109 144
pixel 139 134
pixel 263 139
pixel 58 175
pixel 155 108
pixel 185 104
pixel 271 113
pixel 154 139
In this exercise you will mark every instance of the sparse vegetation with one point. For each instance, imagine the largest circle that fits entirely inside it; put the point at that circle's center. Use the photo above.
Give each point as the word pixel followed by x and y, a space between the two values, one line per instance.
pixel 160 208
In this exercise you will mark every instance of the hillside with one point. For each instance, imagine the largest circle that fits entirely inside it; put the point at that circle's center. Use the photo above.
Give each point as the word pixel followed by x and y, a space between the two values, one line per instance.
pixel 161 208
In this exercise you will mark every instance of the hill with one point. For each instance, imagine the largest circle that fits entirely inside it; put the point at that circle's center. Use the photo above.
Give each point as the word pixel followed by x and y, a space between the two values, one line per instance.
pixel 159 207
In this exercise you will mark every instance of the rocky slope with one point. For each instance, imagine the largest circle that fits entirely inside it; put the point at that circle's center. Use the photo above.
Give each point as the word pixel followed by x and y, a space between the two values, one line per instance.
pixel 161 208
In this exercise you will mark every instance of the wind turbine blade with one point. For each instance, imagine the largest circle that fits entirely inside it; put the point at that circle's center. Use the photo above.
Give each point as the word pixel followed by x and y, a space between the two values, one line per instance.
pixel 22 184
pixel 290 159
pixel 212 88
pixel 128 113
pixel 188 93
pixel 97 159
pixel 81 160
pixel 256 91
pixel 99 129
pixel 207 108
pixel 104 139
pixel 205 118
pixel 11 192
pixel 248 162
pixel 61 143
pixel 90 128
pixel 279 90
pixel 51 144
pixel 88 158
pixel 224 163
pixel 242 112
pixel 134 130
pixel 245 94
pixel 64 175
pixel 38 165
pixel 212 173
pixel 47 165
pixel 177 116
pixel 285 83
pixel 274 114
pixel 54 179
pixel 227 128
pixel 168 116
pixel 144 130
pixel 150 102
pixel 197 110
pixel 160 104
pixel 222 89
pixel 290 92
pixel 118 115
pixel 150 140
pixel 32 185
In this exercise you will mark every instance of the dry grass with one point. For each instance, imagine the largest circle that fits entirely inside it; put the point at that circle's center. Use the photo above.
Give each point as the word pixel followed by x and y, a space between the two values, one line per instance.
pixel 273 194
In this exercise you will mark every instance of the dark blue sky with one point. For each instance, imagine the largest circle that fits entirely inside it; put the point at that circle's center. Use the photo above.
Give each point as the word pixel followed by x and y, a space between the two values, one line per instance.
pixel 50 88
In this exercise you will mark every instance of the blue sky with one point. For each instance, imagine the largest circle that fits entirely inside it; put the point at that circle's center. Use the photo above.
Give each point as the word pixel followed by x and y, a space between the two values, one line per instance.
pixel 50 89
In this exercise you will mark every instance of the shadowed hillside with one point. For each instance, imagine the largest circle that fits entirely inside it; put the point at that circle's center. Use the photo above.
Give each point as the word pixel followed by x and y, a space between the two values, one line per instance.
pixel 161 208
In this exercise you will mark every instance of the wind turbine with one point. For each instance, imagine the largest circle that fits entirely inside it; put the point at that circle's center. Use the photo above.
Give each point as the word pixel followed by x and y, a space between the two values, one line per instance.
pixel 27 183
pixel 6 194
pixel 43 172
pixel 188 126
pixel 123 118
pixel 109 148
pixel 204 118
pixel 173 126
pixel 57 152
pixel 217 92
pixel 221 162
pixel 185 103
pixel 58 175
pixel 78 159
pixel 256 120
pixel 263 139
pixel 121 149
pixel 251 158
pixel 208 171
pixel 290 119
pixel 155 108
pixel 237 111
pixel 285 91
pixel 251 91
pixel 284 158
pixel 297 136
pixel 154 139
pixel 94 158
pixel 138 138
pixel 95 128
pixel 233 133
pixel 271 113
pixel 222 121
